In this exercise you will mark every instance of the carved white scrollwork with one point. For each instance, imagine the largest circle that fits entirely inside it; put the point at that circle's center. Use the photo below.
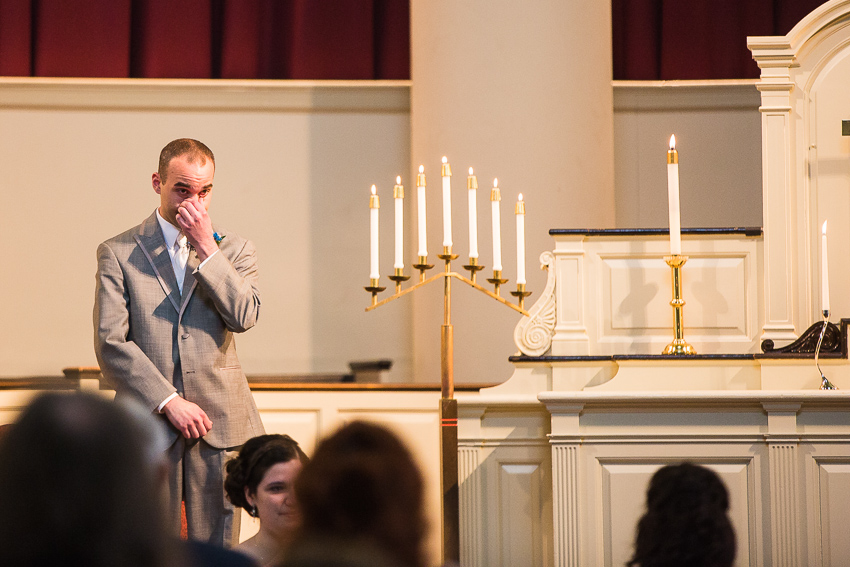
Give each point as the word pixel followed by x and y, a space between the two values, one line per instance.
pixel 533 334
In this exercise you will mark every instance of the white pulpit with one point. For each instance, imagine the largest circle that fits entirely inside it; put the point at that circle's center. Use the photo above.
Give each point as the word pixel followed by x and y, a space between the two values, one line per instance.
pixel 554 463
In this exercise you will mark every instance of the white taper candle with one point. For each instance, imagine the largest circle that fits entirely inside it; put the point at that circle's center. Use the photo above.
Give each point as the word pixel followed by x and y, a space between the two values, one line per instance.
pixel 824 266
pixel 398 195
pixel 472 185
pixel 420 195
pixel 520 241
pixel 374 207
pixel 495 200
pixel 446 174
pixel 673 198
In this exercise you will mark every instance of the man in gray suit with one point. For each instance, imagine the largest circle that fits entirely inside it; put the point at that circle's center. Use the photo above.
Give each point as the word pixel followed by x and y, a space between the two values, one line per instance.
pixel 170 294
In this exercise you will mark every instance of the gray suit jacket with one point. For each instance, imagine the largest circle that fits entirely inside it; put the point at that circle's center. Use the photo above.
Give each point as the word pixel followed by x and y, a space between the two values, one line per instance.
pixel 151 342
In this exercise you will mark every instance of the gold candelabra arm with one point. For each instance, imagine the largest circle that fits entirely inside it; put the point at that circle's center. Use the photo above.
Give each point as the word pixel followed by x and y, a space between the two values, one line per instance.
pixel 521 294
pixel 423 266
pixel 473 267
pixel 398 277
pixel 497 281
pixel 374 289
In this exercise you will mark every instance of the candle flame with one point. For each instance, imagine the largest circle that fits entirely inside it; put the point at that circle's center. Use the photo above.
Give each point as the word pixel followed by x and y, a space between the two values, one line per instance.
pixel 470 171
pixel 496 182
pixel 374 190
pixel 520 197
pixel 672 141
pixel 445 159
pixel 824 227
pixel 421 169
pixel 398 180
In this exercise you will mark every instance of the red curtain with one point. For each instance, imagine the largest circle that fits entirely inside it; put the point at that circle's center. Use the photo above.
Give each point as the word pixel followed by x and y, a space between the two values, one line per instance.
pixel 696 39
pixel 346 39
pixel 245 39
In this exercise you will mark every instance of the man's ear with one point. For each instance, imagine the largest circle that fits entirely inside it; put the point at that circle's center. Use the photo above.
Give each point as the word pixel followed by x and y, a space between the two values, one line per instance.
pixel 156 182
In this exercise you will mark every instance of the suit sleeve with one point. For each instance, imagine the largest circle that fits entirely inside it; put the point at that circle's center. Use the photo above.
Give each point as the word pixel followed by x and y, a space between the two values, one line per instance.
pixel 232 285
pixel 121 360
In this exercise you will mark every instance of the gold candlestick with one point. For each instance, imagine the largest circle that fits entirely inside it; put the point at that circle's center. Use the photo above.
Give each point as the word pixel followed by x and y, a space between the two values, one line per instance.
pixel 423 266
pixel 679 346
pixel 374 289
pixel 520 294
pixel 473 267
pixel 398 277
pixel 497 281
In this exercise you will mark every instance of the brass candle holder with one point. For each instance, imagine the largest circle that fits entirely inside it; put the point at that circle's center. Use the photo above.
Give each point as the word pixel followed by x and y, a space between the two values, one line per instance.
pixel 521 294
pixel 374 289
pixel 473 267
pixel 423 266
pixel 447 256
pixel 679 346
pixel 497 281
pixel 825 384
pixel 398 277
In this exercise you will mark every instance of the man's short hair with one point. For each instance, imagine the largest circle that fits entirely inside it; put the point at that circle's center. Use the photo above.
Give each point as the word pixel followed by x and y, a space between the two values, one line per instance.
pixel 192 149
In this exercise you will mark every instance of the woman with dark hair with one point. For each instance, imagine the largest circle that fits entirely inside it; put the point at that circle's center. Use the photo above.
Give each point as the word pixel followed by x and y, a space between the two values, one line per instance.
pixel 260 480
pixel 80 486
pixel 686 520
pixel 361 491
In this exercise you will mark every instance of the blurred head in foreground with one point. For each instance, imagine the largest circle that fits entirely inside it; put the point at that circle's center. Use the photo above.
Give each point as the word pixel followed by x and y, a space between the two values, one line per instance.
pixel 79 485
pixel 686 520
pixel 361 491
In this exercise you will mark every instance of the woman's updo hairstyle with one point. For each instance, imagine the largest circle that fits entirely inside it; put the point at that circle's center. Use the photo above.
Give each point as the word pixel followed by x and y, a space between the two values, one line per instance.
pixel 257 456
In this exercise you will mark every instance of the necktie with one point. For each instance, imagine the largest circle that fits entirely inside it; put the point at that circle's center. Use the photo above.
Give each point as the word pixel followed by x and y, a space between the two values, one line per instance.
pixel 181 256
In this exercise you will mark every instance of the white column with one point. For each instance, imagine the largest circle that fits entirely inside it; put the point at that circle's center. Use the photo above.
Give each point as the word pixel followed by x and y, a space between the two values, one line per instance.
pixel 784 462
pixel 782 284
pixel 470 61
pixel 470 494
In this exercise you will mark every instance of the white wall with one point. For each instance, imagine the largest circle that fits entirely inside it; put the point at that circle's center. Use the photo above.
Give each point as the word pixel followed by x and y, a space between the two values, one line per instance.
pixel 294 165
pixel 295 161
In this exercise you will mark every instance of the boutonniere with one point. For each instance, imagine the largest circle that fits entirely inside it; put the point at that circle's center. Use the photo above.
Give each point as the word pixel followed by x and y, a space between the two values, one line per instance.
pixel 218 237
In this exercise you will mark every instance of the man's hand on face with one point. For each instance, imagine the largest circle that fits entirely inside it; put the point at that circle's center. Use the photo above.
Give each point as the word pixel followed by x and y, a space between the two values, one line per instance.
pixel 193 220
pixel 187 417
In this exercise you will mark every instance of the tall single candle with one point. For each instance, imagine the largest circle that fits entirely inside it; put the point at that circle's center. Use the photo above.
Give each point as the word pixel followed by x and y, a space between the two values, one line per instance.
pixel 673 198
pixel 398 195
pixel 420 194
pixel 374 206
pixel 824 266
pixel 520 240
pixel 495 198
pixel 472 185
pixel 446 173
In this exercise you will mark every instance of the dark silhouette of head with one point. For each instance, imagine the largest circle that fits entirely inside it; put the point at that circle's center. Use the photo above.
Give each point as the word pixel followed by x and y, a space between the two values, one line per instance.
pixel 686 520
pixel 362 485
pixel 255 458
pixel 78 487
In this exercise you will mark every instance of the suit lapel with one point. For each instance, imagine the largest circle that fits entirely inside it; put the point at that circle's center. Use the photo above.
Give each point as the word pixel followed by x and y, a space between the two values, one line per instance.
pixel 152 243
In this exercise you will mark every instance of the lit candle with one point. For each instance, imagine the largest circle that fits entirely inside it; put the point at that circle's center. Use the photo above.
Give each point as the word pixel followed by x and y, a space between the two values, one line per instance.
pixel 398 195
pixel 446 173
pixel 673 198
pixel 824 282
pixel 420 194
pixel 495 198
pixel 472 185
pixel 520 241
pixel 374 206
